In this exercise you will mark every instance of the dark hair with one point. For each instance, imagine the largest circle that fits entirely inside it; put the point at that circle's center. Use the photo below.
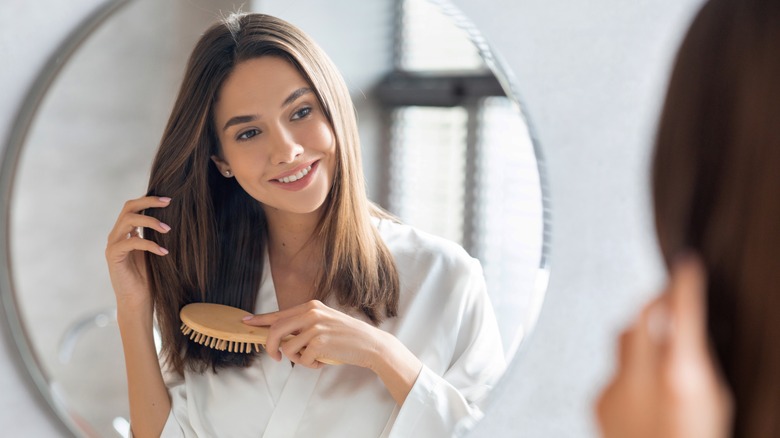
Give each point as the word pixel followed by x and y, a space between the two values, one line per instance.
pixel 218 231
pixel 716 185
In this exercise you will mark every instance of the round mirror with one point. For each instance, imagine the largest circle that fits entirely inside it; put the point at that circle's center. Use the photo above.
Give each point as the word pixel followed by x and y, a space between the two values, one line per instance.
pixel 446 147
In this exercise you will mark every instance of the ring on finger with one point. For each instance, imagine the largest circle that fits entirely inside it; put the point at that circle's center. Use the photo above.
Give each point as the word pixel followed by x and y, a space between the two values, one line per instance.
pixel 137 231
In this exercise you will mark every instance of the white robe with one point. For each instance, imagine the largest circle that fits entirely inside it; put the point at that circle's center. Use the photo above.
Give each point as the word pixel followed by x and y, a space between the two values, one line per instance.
pixel 445 319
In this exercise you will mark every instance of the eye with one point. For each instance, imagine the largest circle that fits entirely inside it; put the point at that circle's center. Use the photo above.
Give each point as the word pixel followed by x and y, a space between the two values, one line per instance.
pixel 301 113
pixel 246 135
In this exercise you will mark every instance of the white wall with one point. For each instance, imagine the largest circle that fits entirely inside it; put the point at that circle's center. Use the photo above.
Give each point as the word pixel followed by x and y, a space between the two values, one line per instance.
pixel 592 76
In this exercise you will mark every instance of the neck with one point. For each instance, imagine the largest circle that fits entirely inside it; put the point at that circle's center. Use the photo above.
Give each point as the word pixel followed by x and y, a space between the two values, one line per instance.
pixel 290 235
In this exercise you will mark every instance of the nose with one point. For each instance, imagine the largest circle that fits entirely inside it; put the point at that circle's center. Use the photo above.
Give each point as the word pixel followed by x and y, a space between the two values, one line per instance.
pixel 285 148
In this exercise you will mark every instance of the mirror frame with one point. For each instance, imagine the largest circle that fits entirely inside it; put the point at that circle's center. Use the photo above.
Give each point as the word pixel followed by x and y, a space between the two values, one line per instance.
pixel 14 144
pixel 9 160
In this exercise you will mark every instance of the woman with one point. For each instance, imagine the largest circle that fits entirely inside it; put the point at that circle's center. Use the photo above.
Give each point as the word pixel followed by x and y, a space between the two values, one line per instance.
pixel 703 360
pixel 256 200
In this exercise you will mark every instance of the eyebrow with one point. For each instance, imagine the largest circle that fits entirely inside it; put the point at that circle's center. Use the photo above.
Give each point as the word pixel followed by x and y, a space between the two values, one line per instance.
pixel 295 95
pixel 237 120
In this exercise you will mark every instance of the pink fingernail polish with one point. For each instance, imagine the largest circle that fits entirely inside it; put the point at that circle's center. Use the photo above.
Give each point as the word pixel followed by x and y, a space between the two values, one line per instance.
pixel 247 318
pixel 165 199
pixel 163 250
pixel 165 226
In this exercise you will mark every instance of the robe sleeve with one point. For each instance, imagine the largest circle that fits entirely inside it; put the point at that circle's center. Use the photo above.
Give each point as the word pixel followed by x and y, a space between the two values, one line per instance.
pixel 440 405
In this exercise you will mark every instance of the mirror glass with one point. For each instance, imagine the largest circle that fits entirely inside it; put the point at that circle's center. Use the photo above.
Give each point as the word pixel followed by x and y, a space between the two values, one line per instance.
pixel 445 147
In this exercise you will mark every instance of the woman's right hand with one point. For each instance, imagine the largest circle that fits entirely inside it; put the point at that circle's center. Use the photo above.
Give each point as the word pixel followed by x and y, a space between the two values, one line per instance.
pixel 125 247
pixel 668 383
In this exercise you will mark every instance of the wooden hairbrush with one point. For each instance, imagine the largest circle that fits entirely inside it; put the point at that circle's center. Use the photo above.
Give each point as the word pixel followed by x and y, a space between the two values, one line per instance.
pixel 222 328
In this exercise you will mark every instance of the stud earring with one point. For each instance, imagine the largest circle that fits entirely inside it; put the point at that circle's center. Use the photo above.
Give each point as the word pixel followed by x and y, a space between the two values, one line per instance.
pixel 227 173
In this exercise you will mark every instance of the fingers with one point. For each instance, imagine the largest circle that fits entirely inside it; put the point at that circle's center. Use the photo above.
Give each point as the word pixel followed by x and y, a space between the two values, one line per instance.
pixel 608 410
pixel 128 224
pixel 130 218
pixel 690 368
pixel 272 318
pixel 119 250
pixel 310 358
pixel 663 376
pixel 279 332
pixel 125 237
pixel 308 347
pixel 144 202
pixel 263 319
pixel 297 332
pixel 640 346
pixel 687 303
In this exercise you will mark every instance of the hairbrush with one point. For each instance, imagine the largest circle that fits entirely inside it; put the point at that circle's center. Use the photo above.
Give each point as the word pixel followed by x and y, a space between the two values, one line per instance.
pixel 222 328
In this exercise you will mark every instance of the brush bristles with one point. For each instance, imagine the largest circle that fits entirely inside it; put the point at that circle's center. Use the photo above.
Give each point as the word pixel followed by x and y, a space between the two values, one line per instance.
pixel 218 343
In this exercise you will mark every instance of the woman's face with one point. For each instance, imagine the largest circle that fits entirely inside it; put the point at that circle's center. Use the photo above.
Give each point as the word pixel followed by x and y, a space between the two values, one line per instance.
pixel 276 140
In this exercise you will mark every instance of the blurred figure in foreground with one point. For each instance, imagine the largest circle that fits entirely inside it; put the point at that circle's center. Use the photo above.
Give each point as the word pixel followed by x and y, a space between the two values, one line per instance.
pixel 703 359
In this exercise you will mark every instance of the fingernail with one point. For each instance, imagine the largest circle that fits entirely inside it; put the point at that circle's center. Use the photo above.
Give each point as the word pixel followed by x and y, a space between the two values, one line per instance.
pixel 165 199
pixel 165 226
pixel 659 324
pixel 248 317
pixel 163 250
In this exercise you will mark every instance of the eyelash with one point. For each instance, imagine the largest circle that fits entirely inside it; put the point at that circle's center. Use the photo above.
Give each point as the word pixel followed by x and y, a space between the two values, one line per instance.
pixel 306 109
pixel 298 115
pixel 243 135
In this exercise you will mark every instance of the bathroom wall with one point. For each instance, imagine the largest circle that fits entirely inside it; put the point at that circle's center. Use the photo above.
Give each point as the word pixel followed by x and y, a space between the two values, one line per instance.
pixel 592 77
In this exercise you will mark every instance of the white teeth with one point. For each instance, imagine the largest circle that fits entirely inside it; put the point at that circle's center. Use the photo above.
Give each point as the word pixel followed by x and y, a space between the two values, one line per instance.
pixel 296 177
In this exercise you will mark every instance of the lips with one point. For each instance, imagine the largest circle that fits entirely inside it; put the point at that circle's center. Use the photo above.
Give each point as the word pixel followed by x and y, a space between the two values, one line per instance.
pixel 295 177
pixel 298 178
pixel 295 174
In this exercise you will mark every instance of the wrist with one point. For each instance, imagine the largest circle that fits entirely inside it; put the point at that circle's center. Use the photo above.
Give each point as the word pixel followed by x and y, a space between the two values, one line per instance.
pixel 133 313
pixel 396 366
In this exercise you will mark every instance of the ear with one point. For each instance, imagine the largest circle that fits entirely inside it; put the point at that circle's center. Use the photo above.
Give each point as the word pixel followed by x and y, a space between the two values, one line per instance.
pixel 222 166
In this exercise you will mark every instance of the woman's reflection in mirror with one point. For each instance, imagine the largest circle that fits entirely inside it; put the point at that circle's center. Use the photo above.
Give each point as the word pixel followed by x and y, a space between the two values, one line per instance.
pixel 256 200
pixel 703 359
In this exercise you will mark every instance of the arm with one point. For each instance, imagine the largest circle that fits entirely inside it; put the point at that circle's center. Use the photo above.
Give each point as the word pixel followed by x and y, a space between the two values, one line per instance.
pixel 150 404
pixel 447 394
pixel 396 366
pixel 149 401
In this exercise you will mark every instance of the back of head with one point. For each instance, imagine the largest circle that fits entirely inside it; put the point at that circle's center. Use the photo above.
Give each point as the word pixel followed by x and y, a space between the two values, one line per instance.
pixel 716 186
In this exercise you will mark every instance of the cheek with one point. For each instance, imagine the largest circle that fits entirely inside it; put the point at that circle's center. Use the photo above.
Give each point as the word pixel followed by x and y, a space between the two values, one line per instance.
pixel 248 156
pixel 323 137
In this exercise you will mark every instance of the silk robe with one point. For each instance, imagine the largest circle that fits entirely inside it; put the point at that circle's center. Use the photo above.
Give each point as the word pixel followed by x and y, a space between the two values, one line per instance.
pixel 445 318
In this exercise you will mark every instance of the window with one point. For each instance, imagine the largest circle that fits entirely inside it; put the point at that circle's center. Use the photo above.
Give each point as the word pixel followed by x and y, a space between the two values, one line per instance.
pixel 461 162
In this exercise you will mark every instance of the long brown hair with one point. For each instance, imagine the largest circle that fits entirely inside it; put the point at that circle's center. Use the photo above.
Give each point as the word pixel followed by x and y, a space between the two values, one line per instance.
pixel 219 232
pixel 716 184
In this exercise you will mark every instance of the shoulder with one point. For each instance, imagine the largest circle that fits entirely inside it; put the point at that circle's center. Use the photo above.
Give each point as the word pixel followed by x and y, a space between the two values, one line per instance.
pixel 408 243
pixel 421 256
pixel 442 287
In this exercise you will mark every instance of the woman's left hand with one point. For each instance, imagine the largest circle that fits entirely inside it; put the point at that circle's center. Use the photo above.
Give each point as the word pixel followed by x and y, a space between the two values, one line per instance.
pixel 320 333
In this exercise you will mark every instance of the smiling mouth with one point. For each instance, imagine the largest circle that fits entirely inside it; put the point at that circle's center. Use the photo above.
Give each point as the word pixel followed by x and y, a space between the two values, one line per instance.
pixel 295 177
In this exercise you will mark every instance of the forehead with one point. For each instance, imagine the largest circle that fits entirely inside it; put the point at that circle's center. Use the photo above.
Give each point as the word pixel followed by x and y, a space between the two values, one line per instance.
pixel 257 83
